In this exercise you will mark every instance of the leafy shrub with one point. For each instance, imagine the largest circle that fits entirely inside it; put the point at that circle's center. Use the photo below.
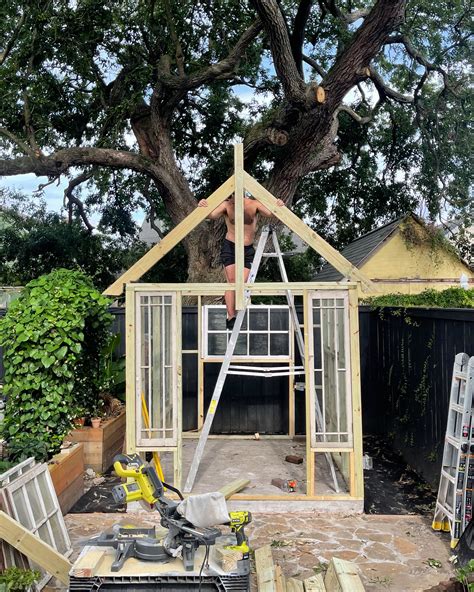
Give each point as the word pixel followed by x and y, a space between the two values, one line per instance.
pixel 53 336
pixel 15 579
pixel 450 298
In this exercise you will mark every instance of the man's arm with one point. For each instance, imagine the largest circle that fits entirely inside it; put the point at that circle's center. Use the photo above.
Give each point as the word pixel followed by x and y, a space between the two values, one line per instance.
pixel 261 209
pixel 217 213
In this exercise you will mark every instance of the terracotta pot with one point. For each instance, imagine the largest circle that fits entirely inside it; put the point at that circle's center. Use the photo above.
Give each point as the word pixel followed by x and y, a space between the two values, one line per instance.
pixel 95 421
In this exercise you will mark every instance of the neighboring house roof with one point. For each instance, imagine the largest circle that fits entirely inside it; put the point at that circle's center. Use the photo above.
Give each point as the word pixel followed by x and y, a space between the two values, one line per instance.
pixel 359 250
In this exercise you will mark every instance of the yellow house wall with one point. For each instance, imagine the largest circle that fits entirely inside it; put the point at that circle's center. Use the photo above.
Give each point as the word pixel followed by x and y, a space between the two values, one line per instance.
pixel 396 268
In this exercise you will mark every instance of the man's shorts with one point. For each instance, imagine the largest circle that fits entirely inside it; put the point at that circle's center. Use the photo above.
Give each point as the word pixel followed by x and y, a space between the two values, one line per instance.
pixel 228 254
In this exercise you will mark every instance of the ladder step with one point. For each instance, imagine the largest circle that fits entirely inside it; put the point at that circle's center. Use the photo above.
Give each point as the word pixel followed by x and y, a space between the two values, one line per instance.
pixel 448 476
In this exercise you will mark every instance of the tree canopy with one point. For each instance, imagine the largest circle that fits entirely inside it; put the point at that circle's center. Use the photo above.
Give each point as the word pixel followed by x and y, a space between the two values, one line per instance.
pixel 350 111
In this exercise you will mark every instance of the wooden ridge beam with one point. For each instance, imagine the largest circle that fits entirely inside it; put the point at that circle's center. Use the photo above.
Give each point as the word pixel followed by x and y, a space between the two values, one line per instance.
pixel 310 237
pixel 173 237
pixel 239 225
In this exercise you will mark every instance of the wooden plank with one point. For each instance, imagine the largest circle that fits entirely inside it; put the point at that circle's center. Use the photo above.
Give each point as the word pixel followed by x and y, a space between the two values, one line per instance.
pixel 178 372
pixel 227 558
pixel 280 581
pixel 357 473
pixel 308 235
pixel 233 487
pixel 294 585
pixel 34 548
pixel 265 569
pixel 315 584
pixel 173 237
pixel 342 576
pixel 308 363
pixel 130 388
pixel 239 225
pixel 206 289
pixel 88 564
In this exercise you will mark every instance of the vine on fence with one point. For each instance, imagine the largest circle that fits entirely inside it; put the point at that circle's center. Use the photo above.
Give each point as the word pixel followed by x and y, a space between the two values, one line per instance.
pixel 53 337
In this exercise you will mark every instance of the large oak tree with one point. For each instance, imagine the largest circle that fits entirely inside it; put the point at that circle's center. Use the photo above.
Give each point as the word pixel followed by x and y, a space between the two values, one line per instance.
pixel 358 110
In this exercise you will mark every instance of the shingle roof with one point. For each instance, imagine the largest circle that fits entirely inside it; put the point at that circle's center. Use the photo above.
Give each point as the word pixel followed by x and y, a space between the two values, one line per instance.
pixel 360 249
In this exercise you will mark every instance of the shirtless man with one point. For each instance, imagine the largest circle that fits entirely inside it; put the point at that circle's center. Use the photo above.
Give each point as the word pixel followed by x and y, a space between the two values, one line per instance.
pixel 226 209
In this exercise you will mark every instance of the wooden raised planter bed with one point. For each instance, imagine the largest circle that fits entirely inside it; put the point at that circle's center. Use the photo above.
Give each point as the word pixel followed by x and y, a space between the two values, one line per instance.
pixel 67 474
pixel 101 444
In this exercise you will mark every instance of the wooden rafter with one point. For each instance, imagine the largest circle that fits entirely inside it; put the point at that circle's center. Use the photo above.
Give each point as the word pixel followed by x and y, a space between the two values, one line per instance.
pixel 173 237
pixel 239 225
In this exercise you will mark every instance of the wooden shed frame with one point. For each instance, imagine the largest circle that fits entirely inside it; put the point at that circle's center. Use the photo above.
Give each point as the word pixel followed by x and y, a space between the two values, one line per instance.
pixel 347 456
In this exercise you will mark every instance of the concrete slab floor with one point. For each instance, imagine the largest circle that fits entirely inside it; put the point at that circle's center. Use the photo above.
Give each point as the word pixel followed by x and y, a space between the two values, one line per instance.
pixel 260 461
pixel 392 552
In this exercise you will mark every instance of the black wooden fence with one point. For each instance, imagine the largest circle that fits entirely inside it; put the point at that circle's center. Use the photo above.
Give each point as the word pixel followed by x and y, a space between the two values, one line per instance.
pixel 406 366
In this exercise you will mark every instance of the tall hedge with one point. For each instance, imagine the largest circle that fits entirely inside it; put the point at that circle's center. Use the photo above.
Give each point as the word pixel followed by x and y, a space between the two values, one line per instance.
pixel 53 337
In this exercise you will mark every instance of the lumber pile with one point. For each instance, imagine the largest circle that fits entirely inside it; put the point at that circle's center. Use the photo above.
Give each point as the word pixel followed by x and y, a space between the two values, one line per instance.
pixel 341 576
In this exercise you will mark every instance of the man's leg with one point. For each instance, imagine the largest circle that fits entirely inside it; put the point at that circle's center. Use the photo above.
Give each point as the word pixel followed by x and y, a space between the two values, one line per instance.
pixel 229 295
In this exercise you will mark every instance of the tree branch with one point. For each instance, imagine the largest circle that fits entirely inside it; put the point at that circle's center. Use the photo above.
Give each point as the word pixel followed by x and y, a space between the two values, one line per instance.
pixel 72 199
pixel 11 42
pixel 420 58
pixel 355 116
pixel 24 147
pixel 297 37
pixel 60 161
pixel 287 71
pixel 385 91
pixel 351 65
pixel 315 65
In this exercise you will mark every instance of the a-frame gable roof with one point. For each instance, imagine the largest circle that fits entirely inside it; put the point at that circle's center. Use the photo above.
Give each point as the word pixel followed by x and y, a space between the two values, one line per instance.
pixel 267 199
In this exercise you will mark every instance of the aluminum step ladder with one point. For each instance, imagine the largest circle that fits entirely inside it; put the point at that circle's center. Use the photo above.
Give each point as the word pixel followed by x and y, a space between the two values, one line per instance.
pixel 226 367
pixel 454 502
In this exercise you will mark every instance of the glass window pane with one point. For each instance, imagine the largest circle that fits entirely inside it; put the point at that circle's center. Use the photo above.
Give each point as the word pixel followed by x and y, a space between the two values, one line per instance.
pixel 279 320
pixel 317 347
pixel 31 493
pixel 339 302
pixel 279 345
pixel 43 533
pixel 258 319
pixel 258 344
pixel 216 319
pixel 316 316
pixel 341 357
pixel 216 344
pixel 241 346
pixel 20 505
pixel 60 543
pixel 45 493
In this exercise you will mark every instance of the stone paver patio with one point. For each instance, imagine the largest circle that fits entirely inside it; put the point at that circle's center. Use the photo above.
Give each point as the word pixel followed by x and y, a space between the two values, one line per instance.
pixel 392 552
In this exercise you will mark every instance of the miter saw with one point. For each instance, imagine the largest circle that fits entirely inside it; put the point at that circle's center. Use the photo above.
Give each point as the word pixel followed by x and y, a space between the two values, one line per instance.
pixel 190 523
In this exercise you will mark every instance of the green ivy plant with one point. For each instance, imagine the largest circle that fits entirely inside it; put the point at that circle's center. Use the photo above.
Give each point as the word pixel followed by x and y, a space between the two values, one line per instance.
pixel 53 336
pixel 449 298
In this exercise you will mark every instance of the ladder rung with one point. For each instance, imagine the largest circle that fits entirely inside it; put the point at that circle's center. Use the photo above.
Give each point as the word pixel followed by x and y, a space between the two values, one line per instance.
pixel 456 407
pixel 456 442
pixel 448 476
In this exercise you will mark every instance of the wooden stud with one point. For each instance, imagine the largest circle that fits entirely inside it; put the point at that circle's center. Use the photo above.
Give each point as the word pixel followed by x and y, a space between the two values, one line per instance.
pixel 307 366
pixel 200 369
pixel 233 487
pixel 307 234
pixel 178 364
pixel 239 225
pixel 34 548
pixel 130 376
pixel 294 585
pixel 342 576
pixel 173 237
pixel 356 488
pixel 314 584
